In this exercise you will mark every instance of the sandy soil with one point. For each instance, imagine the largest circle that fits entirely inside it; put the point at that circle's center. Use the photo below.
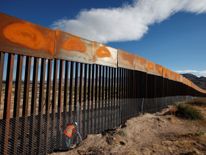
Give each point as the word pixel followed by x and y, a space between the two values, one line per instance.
pixel 149 134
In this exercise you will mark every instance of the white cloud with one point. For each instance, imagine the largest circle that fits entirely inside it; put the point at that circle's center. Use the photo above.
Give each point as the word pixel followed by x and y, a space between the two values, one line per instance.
pixel 129 22
pixel 195 72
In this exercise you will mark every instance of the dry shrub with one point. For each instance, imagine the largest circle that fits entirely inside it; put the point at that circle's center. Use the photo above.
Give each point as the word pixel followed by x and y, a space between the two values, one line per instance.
pixel 188 112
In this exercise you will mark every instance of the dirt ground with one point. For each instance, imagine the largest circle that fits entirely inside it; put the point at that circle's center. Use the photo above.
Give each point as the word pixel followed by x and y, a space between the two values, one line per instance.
pixel 149 134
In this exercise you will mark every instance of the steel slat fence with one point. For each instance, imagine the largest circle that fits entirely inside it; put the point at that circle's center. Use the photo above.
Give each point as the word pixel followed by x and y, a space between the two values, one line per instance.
pixel 40 96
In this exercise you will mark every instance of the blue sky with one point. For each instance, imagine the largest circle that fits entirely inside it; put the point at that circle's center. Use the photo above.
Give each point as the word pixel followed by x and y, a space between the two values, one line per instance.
pixel 172 34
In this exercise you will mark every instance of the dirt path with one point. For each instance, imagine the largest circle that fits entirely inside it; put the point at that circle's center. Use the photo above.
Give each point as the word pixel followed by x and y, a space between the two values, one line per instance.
pixel 149 134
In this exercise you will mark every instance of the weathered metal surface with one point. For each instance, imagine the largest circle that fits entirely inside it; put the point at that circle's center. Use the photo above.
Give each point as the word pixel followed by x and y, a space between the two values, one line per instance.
pixel 104 55
pixel 126 60
pixel 47 102
pixel 84 102
pixel 1 77
pixel 60 99
pixel 103 97
pixel 71 93
pixel 54 102
pixel 106 97
pixel 33 104
pixel 25 108
pixel 88 129
pixel 172 75
pixel 41 103
pixel 92 98
pixel 79 115
pixel 153 68
pixel 75 90
pixel 140 63
pixel 21 37
pixel 109 95
pixel 166 73
pixel 176 77
pixel 181 79
pixel 17 100
pixel 100 126
pixel 7 104
pixel 158 69
pixel 73 48
pixel 95 96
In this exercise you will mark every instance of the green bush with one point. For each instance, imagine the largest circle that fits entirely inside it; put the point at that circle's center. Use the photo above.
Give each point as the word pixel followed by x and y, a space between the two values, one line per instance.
pixel 188 112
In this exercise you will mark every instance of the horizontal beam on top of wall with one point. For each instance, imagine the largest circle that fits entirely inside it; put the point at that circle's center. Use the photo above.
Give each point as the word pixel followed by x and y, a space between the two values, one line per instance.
pixel 25 38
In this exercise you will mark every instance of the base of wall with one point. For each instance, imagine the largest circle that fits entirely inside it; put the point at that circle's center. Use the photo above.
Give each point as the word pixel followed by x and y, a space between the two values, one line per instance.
pixel 101 116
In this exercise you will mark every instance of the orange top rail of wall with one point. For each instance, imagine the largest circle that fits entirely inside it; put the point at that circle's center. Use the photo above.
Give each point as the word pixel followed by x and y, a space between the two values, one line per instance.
pixel 22 37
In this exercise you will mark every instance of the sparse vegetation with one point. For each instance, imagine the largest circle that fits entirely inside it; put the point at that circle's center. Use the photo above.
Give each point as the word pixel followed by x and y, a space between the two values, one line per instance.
pixel 200 133
pixel 121 133
pixel 188 112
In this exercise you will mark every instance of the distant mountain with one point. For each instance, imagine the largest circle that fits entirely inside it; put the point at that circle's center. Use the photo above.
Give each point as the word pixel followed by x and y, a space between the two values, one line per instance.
pixel 199 81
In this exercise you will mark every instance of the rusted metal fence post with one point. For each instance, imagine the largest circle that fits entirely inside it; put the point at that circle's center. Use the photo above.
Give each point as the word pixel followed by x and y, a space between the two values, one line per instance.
pixel 7 104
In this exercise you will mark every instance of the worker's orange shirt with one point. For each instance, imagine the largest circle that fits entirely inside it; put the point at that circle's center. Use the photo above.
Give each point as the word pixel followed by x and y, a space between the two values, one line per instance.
pixel 70 130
